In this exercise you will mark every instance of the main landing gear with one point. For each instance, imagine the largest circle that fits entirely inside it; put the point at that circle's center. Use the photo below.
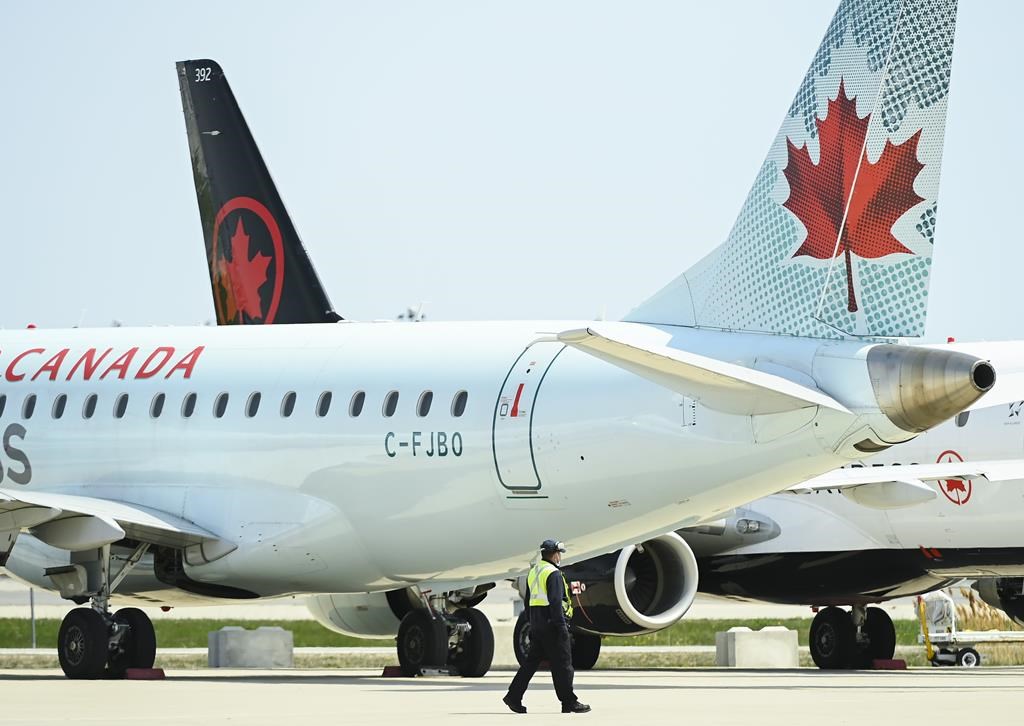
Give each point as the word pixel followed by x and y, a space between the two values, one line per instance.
pixel 847 640
pixel 92 642
pixel 586 647
pixel 446 635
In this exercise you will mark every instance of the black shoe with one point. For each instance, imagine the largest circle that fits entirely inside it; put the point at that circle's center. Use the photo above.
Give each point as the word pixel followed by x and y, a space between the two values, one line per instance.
pixel 575 708
pixel 515 707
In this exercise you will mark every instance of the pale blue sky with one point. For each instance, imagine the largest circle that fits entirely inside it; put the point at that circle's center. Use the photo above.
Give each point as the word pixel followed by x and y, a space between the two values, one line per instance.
pixel 496 160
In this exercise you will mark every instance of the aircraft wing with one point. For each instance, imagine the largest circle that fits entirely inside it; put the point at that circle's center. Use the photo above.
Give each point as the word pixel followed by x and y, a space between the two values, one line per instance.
pixel 893 486
pixel 719 385
pixel 73 522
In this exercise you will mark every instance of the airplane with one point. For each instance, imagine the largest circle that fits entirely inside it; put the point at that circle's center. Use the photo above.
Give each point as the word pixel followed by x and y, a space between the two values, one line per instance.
pixel 244 462
pixel 599 611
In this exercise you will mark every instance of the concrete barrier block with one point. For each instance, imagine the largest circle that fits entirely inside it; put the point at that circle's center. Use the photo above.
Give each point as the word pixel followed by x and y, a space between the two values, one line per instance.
pixel 236 647
pixel 770 647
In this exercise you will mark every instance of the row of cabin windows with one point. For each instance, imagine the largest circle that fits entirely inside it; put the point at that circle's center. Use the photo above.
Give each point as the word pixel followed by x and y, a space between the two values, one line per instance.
pixel 252 404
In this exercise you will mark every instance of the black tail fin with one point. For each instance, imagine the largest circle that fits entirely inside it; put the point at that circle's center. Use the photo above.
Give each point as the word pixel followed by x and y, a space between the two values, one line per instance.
pixel 259 271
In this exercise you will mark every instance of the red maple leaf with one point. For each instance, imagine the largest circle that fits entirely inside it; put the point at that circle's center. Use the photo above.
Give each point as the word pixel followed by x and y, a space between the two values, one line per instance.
pixel 846 198
pixel 242 278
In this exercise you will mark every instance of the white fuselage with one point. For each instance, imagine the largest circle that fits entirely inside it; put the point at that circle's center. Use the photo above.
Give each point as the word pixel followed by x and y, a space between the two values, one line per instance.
pixel 591 454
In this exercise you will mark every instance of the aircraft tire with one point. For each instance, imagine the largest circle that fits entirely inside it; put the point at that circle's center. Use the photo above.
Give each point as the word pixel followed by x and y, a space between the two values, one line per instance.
pixel 881 635
pixel 521 637
pixel 476 652
pixel 833 640
pixel 422 642
pixel 139 645
pixel 83 643
pixel 586 649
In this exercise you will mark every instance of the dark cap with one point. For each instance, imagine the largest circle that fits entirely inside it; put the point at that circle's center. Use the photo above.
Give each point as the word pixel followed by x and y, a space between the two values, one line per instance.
pixel 551 545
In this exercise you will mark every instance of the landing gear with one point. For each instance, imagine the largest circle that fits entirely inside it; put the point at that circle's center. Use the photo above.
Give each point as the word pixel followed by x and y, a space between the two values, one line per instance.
pixel 137 648
pixel 446 637
pixel 92 643
pixel 82 644
pixel 586 648
pixel 842 640
pixel 422 642
pixel 473 654
pixel 832 639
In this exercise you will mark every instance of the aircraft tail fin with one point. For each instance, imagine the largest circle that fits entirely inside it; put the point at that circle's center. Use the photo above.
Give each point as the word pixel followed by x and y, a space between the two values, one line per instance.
pixel 259 271
pixel 835 238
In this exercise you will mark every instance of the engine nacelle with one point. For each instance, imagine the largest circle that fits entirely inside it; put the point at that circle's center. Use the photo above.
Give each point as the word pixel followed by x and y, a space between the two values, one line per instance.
pixel 640 589
pixel 362 615
pixel 1004 593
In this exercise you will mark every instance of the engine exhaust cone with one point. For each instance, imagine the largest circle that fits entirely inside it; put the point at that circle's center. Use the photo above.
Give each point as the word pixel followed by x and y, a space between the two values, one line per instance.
pixel 918 388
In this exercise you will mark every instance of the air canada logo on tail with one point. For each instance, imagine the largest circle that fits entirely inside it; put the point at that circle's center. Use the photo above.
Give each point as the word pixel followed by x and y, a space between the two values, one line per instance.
pixel 847 203
pixel 247 263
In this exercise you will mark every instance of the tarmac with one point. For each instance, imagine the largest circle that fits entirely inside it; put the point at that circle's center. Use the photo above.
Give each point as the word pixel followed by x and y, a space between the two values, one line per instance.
pixel 693 696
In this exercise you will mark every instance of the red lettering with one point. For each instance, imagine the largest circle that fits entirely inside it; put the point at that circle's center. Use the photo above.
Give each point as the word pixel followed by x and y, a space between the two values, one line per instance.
pixel 187 363
pixel 11 375
pixel 143 373
pixel 121 364
pixel 90 365
pixel 53 365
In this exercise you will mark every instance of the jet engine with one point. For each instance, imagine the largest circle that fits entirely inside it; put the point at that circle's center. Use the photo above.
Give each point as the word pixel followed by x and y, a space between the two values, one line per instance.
pixel 639 589
pixel 1004 593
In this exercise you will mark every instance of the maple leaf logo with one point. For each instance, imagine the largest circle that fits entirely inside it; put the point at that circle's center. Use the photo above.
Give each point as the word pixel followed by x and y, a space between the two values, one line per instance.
pixel 242 278
pixel 848 204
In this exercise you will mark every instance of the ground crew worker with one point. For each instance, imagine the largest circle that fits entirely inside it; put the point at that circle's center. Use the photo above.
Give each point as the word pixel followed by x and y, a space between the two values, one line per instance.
pixel 549 608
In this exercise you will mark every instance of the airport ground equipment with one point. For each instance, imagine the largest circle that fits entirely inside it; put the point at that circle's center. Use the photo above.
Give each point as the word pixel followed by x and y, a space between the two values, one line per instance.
pixel 945 644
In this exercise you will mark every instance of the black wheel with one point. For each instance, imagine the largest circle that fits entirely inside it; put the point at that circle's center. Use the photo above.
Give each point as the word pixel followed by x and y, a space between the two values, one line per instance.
pixel 833 639
pixel 968 658
pixel 586 649
pixel 138 645
pixel 474 654
pixel 521 637
pixel 83 644
pixel 881 634
pixel 422 642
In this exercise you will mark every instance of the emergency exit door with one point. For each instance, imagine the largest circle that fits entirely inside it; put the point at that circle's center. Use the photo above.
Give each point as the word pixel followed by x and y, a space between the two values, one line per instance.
pixel 513 417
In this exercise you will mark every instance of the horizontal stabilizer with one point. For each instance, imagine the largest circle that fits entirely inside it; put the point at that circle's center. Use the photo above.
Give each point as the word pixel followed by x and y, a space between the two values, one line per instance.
pixel 716 384
pixel 76 522
pixel 894 486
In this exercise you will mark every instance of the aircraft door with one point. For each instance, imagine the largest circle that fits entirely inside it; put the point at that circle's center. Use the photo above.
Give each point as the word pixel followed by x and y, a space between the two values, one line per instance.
pixel 513 418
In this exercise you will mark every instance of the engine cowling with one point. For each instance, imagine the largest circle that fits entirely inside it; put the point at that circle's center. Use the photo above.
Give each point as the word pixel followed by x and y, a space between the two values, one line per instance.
pixel 639 589
pixel 1004 593
pixel 362 615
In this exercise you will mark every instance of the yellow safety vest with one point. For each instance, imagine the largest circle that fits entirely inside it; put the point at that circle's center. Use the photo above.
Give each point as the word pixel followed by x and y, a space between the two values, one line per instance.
pixel 537 582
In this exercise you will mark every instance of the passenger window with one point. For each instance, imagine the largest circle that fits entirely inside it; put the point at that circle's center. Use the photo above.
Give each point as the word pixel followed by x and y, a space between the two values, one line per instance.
pixel 29 407
pixel 459 403
pixel 961 418
pixel 355 406
pixel 188 406
pixel 3 403
pixel 220 405
pixel 121 406
pixel 157 406
pixel 58 405
pixel 288 404
pixel 423 405
pixel 89 407
pixel 253 404
pixel 323 405
pixel 390 404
